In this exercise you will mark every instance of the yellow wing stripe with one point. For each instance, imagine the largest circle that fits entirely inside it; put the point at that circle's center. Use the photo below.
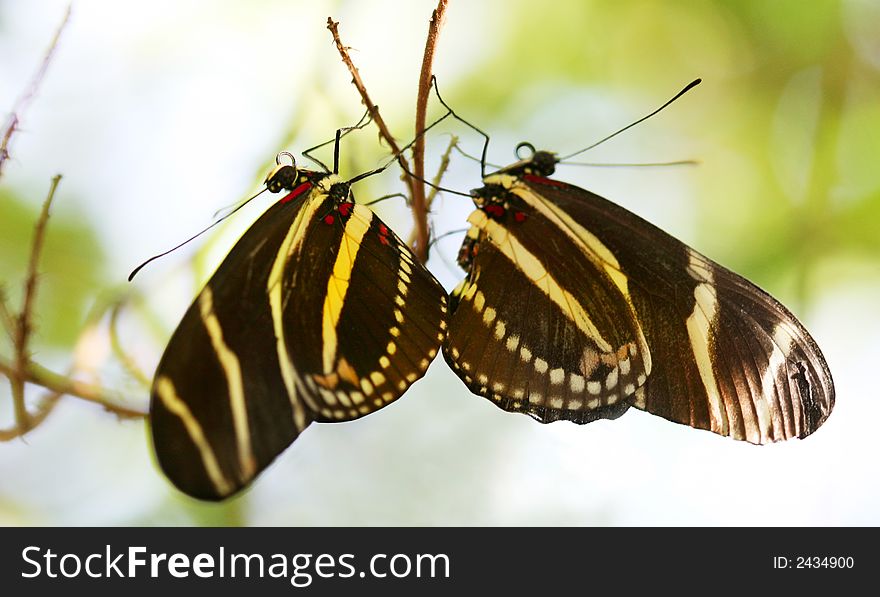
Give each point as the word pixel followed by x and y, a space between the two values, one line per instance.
pixel 337 285
pixel 600 255
pixel 168 395
pixel 292 242
pixel 532 267
pixel 232 369
pixel 699 328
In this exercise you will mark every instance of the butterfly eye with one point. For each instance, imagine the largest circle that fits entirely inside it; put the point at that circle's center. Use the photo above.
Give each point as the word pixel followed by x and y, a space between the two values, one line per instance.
pixel 283 176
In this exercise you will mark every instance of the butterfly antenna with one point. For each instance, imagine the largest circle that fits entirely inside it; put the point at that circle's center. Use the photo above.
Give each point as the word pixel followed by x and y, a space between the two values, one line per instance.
pixel 195 236
pixel 475 159
pixel 634 164
pixel 399 153
pixel 465 122
pixel 384 197
pixel 449 112
pixel 364 121
pixel 687 88
pixel 445 234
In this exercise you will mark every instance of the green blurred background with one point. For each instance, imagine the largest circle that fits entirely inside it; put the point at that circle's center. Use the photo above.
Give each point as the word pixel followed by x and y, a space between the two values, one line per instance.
pixel 158 114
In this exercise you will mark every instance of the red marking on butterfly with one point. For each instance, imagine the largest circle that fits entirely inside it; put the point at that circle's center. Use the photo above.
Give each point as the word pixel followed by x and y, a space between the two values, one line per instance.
pixel 345 209
pixel 329 219
pixel 519 216
pixel 383 229
pixel 494 210
pixel 383 240
pixel 296 192
pixel 542 180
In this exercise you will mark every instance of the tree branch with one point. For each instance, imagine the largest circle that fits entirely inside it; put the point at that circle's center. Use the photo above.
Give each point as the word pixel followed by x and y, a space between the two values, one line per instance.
pixel 21 105
pixel 384 132
pixel 46 406
pixel 5 315
pixel 62 384
pixel 23 324
pixel 419 204
pixel 441 170
pixel 128 363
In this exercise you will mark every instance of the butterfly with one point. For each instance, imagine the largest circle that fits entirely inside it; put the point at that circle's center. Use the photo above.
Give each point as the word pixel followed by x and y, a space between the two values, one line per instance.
pixel 319 313
pixel 574 308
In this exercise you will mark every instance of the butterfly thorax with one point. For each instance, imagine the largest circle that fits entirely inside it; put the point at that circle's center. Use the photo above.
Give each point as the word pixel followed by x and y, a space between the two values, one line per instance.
pixel 499 203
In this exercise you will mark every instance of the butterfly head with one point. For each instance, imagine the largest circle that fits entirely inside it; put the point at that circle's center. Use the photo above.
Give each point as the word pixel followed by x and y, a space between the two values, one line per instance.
pixel 286 176
pixel 532 161
pixel 540 163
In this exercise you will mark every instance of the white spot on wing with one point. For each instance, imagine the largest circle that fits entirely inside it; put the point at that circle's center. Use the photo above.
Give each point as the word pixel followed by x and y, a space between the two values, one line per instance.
pixel 479 301
pixel 512 342
pixel 611 380
pixel 500 329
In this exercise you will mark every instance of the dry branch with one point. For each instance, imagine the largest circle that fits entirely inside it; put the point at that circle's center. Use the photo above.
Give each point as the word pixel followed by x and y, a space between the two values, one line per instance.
pixel 419 204
pixel 24 101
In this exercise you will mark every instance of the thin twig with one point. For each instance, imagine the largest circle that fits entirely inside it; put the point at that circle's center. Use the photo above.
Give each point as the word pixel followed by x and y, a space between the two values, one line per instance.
pixel 21 105
pixel 46 405
pixel 419 205
pixel 62 384
pixel 441 170
pixel 5 315
pixel 384 132
pixel 128 363
pixel 435 184
pixel 23 327
pixel 8 131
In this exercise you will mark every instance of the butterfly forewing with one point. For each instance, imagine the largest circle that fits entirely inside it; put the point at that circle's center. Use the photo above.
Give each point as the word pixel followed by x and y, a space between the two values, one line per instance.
pixel 220 412
pixel 725 355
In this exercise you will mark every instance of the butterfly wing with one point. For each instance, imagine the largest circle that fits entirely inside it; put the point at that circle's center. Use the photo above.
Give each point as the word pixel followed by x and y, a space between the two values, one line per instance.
pixel 319 312
pixel 376 324
pixel 726 356
pixel 543 323
pixel 219 411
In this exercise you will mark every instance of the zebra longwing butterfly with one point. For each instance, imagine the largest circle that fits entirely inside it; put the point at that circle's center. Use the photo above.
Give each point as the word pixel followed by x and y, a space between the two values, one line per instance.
pixel 319 313
pixel 576 309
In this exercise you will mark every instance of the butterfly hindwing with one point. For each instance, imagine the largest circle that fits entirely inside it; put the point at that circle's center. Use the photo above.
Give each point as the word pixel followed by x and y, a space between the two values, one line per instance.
pixel 543 323
pixel 379 319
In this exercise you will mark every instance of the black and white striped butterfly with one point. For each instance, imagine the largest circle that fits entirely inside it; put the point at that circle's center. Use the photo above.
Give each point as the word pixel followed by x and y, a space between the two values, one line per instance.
pixel 576 309
pixel 319 313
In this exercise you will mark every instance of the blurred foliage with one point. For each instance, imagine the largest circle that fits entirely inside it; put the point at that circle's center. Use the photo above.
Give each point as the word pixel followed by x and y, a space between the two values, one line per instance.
pixel 794 174
pixel 70 272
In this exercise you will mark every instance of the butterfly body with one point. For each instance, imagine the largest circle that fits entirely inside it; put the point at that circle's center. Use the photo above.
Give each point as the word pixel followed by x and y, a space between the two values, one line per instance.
pixel 576 309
